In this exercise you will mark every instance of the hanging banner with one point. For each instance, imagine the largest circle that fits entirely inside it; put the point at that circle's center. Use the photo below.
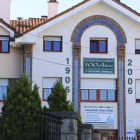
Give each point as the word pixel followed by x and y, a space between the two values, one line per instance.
pixel 99 65
pixel 100 117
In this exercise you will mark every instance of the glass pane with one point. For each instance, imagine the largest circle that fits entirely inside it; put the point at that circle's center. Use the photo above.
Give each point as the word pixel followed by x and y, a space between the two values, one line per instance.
pixel 137 51
pixel 92 94
pixel 48 45
pixel 4 46
pixel 103 94
pixel 57 46
pixel 93 46
pixel 3 90
pixel 47 92
pixel 111 95
pixel 85 94
pixel 102 46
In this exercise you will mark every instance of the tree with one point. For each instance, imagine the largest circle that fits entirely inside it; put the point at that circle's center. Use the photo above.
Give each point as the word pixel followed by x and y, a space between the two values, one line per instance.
pixel 21 96
pixel 58 100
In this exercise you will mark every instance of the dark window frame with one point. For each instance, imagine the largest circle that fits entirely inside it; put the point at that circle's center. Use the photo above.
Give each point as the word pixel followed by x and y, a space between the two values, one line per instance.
pixel 7 94
pixel 135 47
pixel 98 45
pixel 1 44
pixel 43 93
pixel 52 45
pixel 97 96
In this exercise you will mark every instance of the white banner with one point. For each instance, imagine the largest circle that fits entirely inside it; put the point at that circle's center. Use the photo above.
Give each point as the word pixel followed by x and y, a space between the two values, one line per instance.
pixel 99 115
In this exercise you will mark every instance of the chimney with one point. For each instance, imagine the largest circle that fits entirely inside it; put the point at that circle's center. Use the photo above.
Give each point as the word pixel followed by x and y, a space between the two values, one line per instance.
pixel 5 10
pixel 52 8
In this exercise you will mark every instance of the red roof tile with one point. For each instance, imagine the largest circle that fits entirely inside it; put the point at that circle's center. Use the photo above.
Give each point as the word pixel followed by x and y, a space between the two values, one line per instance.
pixel 23 27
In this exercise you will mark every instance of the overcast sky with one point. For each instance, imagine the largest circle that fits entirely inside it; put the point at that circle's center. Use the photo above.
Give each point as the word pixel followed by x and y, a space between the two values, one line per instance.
pixel 37 8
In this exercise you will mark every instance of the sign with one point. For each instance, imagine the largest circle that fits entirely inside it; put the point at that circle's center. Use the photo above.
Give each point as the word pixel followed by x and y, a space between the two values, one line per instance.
pixel 100 117
pixel 99 65
pixel 130 133
pixel 130 122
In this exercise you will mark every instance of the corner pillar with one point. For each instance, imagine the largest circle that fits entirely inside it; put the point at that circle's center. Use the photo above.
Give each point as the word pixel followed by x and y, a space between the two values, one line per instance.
pixel 121 90
pixel 76 75
pixel 27 68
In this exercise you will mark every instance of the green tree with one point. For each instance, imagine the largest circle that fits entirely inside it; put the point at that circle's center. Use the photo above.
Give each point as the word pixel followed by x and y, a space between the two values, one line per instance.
pixel 58 100
pixel 21 96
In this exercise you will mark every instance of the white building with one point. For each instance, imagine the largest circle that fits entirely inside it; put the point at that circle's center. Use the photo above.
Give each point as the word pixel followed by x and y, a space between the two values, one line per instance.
pixel 94 47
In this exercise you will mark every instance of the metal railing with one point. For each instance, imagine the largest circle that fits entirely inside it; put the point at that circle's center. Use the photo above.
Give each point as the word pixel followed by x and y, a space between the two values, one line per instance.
pixel 32 125
pixel 123 138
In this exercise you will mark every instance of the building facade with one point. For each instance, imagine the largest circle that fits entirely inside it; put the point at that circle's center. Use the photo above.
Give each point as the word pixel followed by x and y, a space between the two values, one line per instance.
pixel 94 47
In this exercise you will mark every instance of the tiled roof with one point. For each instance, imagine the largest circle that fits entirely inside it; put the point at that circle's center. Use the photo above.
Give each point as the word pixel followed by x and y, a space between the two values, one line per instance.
pixel 6 24
pixel 22 27
pixel 128 8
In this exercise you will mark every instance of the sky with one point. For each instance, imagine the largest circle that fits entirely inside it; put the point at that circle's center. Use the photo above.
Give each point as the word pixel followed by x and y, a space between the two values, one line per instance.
pixel 37 8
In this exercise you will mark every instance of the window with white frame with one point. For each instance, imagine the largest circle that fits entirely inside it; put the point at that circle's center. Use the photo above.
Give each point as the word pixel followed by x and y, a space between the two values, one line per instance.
pixel 4 45
pixel 137 90
pixel 47 87
pixel 137 48
pixel 98 90
pixel 3 88
pixel 53 44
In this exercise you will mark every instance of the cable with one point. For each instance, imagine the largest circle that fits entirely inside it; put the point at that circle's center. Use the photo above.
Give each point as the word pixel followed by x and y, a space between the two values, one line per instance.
pixel 60 63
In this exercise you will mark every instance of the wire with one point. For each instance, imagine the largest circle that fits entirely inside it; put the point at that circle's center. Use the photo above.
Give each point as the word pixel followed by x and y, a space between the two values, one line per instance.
pixel 60 63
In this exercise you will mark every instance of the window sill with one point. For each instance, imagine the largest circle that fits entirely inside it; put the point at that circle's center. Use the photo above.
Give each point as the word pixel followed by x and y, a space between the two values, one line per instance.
pixel 97 101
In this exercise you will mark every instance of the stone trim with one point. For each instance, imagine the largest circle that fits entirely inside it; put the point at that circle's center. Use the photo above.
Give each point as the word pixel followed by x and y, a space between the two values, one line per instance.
pixel 12 81
pixel 98 20
pixel 28 50
pixel 121 40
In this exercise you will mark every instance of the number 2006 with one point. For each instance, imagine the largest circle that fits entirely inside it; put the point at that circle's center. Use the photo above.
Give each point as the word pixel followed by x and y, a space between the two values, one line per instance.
pixel 130 81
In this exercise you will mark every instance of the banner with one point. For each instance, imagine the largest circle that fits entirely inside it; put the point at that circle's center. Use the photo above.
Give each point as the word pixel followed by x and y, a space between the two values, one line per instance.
pixel 99 65
pixel 100 117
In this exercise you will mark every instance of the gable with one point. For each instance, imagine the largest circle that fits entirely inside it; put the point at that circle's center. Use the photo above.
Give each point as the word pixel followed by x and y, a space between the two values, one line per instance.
pixel 4 31
pixel 90 8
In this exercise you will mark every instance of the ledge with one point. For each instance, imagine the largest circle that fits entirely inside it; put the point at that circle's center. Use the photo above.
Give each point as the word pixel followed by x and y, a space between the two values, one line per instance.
pixel 96 131
pixel 86 126
pixel 70 115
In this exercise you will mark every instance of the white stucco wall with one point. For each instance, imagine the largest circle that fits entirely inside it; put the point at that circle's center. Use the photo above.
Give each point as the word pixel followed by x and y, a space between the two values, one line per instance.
pixel 43 68
pixel 5 10
pixel 4 32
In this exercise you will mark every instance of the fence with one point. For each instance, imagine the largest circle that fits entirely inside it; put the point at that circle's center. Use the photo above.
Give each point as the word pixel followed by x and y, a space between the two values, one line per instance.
pixel 123 138
pixel 29 126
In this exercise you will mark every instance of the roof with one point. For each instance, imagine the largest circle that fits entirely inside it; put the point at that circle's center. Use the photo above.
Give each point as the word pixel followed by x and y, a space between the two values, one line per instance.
pixel 23 27
pixel 6 24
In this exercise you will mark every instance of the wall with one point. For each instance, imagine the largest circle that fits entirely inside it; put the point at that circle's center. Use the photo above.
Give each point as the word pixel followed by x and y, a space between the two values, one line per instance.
pixel 5 10
pixel 11 63
pixel 3 31
pixel 46 68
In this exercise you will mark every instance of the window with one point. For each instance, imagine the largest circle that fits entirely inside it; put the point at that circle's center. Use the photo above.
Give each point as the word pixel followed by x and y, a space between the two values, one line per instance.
pixel 3 88
pixel 4 44
pixel 96 95
pixel 47 86
pixel 98 46
pixel 137 90
pixel 137 49
pixel 53 44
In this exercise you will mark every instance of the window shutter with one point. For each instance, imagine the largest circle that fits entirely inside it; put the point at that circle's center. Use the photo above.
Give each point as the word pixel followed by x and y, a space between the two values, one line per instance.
pixel 48 82
pixel 138 44
pixel 98 84
pixel 98 38
pixel 4 82
pixel 52 38
pixel 137 89
pixel 4 38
